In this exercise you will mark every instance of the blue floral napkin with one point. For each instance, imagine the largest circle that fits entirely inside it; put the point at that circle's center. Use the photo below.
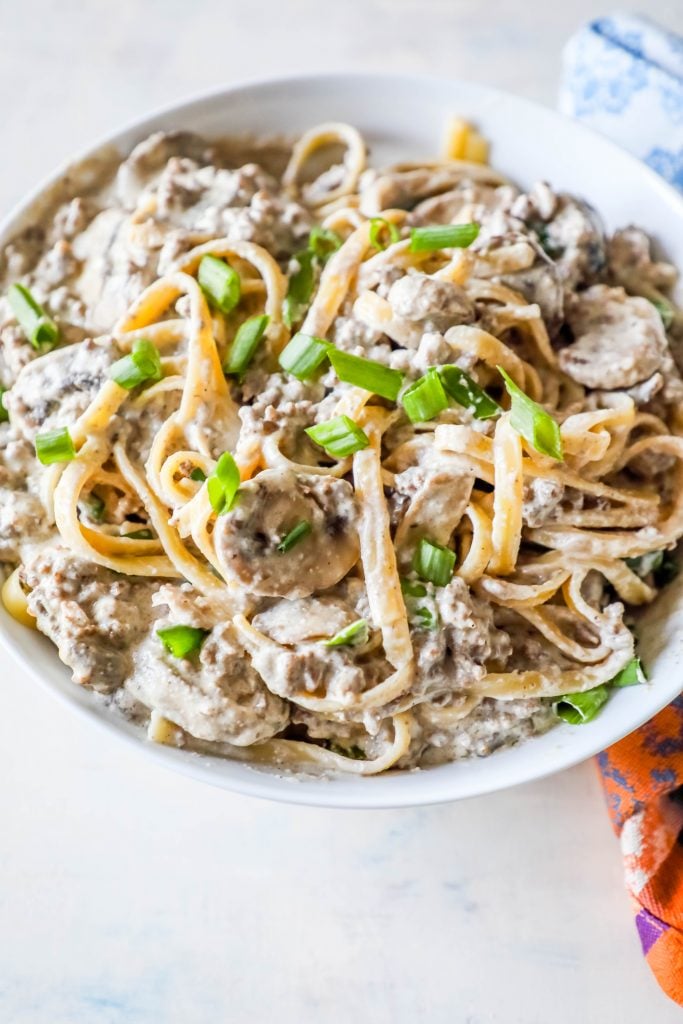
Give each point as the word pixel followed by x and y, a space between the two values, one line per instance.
pixel 623 75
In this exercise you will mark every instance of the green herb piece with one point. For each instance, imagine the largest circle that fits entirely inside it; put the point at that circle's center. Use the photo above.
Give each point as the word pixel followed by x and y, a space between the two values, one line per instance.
pixel 181 641
pixel 366 373
pixel 353 752
pixel 198 474
pixel 94 506
pixel 466 392
pixel 142 364
pixel 4 414
pixel 410 588
pixel 579 708
pixel 303 355
pixel 632 674
pixel 425 399
pixel 245 344
pixel 443 236
pixel 354 635
pixel 143 534
pixel 339 436
pixel 55 446
pixel 222 485
pixel 323 242
pixel 532 422
pixel 295 535
pixel 220 283
pixel 378 226
pixel 434 563
pixel 666 310
pixel 300 288
pixel 39 328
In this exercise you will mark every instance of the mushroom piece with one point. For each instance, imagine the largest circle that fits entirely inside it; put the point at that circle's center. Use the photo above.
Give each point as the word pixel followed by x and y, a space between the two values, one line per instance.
pixel 247 539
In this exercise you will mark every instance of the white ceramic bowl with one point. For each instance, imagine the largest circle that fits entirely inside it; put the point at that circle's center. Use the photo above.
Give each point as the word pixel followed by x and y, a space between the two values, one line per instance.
pixel 403 117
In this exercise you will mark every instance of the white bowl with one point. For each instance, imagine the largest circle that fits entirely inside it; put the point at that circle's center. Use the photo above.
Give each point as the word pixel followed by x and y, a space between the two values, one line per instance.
pixel 404 117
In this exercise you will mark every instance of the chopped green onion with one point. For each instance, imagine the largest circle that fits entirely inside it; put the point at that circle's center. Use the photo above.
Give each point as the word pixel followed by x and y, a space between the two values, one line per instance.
pixel 223 484
pixel 339 436
pixel 303 355
pixel 4 415
pixel 434 563
pixel 668 571
pixel 198 474
pixel 377 226
pixel 666 310
pixel 579 708
pixel 354 752
pixel 180 641
pixel 428 618
pixel 140 535
pixel 351 636
pixel 55 446
pixel 532 422
pixel 300 288
pixel 643 565
pixel 323 242
pixel 220 283
pixel 410 588
pixel 39 328
pixel 141 365
pixel 245 344
pixel 466 392
pixel 296 534
pixel 443 236
pixel 366 373
pixel 632 674
pixel 94 506
pixel 425 399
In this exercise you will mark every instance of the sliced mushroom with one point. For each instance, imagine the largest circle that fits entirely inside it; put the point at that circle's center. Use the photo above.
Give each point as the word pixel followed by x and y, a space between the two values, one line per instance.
pixel 267 509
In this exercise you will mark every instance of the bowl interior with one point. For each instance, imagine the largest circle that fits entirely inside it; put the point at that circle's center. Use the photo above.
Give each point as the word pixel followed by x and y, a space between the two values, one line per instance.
pixel 404 118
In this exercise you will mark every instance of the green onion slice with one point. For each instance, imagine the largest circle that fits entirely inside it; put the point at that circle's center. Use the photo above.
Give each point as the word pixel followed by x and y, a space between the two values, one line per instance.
pixel 466 392
pixel 579 708
pixel 198 474
pixel 300 288
pixel 643 565
pixel 379 226
pixel 223 484
pixel 426 398
pixel 366 373
pixel 141 365
pixel 295 535
pixel 245 344
pixel 428 619
pixel 4 414
pixel 411 588
pixel 443 236
pixel 339 437
pixel 143 534
pixel 532 422
pixel 181 641
pixel 355 753
pixel 632 674
pixel 39 328
pixel 665 310
pixel 55 446
pixel 351 636
pixel 94 506
pixel 323 242
pixel 220 283
pixel 302 355
pixel 434 563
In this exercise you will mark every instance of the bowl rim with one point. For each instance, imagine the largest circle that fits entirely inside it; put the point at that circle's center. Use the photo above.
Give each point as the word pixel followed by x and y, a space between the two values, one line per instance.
pixel 270 784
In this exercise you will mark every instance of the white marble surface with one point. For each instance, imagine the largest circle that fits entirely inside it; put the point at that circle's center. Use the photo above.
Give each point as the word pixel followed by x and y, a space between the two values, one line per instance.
pixel 131 895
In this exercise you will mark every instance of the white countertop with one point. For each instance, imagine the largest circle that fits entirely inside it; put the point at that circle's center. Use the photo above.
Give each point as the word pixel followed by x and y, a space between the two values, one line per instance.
pixel 131 895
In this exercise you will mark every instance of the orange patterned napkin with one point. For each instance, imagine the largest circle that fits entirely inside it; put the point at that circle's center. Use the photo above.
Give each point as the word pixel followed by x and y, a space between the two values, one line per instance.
pixel 643 780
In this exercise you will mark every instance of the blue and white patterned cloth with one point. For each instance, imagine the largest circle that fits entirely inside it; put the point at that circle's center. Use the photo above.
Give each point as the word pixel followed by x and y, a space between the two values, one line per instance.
pixel 623 75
